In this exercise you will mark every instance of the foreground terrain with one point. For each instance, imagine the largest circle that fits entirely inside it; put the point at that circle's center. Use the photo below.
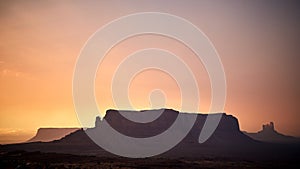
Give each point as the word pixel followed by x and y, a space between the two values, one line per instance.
pixel 22 159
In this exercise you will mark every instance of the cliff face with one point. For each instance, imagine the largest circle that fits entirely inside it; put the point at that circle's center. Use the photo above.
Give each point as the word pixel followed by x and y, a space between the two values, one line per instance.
pixel 51 134
pixel 228 123
pixel 226 138
pixel 140 130
pixel 227 132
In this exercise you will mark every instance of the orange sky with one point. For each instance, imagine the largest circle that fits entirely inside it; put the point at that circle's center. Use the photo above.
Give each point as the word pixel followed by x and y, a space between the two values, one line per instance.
pixel 40 41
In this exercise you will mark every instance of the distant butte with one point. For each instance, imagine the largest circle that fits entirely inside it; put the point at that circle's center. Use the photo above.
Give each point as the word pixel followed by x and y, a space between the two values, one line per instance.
pixel 51 134
pixel 269 134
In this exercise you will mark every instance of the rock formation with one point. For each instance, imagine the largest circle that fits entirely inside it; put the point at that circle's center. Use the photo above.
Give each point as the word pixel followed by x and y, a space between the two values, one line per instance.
pixel 51 134
pixel 269 134
pixel 227 140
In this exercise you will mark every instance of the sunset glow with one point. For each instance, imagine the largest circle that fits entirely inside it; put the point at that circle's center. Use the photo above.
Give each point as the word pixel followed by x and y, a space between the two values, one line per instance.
pixel 40 42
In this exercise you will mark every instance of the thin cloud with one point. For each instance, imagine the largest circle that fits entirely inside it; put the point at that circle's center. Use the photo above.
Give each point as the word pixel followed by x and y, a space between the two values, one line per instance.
pixel 12 73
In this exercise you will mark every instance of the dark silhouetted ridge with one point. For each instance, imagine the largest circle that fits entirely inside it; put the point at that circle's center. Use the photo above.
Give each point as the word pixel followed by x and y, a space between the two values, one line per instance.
pixel 226 141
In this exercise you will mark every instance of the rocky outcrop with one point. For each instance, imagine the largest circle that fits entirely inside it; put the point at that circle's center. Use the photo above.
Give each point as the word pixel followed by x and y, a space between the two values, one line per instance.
pixel 269 134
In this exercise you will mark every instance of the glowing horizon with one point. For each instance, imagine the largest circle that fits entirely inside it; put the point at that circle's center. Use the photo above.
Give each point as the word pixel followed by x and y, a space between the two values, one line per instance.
pixel 40 42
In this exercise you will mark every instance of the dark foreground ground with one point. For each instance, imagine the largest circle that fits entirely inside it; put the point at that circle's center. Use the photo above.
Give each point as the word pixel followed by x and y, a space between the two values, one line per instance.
pixel 22 159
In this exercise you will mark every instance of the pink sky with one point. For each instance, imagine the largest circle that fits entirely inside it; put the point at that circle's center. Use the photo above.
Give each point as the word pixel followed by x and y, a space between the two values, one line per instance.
pixel 258 43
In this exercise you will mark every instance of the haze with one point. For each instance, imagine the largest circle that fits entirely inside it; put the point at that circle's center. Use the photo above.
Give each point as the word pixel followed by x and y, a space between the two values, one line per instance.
pixel 258 42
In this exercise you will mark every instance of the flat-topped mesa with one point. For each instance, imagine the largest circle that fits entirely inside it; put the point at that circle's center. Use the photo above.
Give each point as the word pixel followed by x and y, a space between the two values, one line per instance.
pixel 111 112
pixel 228 123
pixel 50 134
pixel 164 115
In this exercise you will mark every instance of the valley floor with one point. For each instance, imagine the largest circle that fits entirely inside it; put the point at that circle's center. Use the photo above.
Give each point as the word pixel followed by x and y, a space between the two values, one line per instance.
pixel 22 159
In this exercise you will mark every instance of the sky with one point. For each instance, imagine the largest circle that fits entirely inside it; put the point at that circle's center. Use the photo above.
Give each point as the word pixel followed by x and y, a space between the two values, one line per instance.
pixel 40 41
